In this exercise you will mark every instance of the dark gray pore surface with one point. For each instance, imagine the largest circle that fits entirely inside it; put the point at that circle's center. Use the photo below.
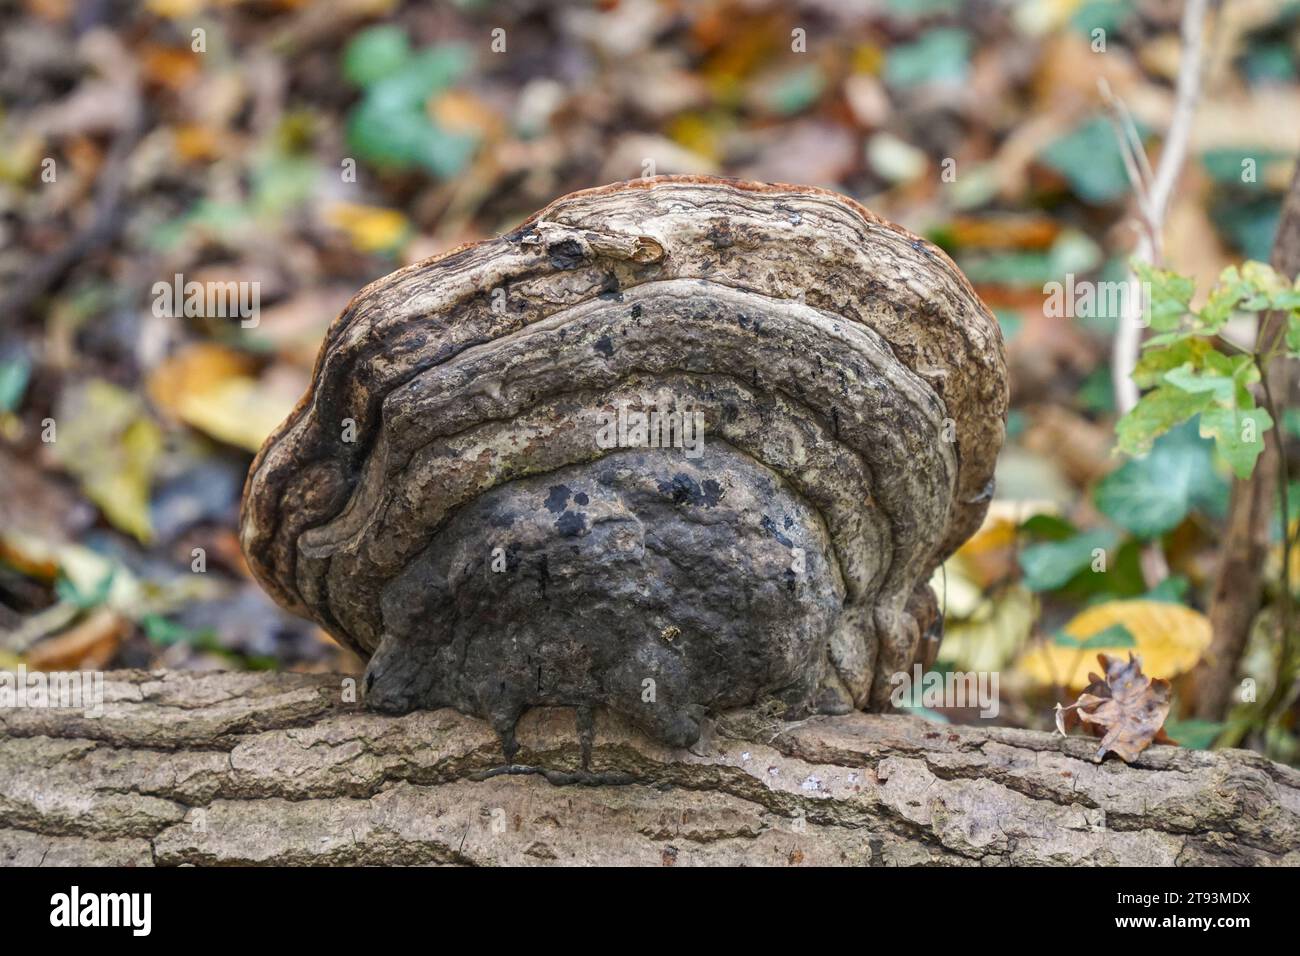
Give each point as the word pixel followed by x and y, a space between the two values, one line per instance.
pixel 652 583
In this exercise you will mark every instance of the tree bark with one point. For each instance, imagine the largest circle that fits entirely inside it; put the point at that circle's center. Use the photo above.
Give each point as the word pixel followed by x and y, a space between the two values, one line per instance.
pixel 243 768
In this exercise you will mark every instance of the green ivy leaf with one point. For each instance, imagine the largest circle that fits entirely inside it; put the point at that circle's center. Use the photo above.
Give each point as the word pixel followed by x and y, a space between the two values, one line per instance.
pixel 1170 296
pixel 1156 413
pixel 1224 164
pixel 376 53
pixel 1194 734
pixel 1117 635
pixel 14 375
pixel 390 125
pixel 1052 564
pixel 1224 378
pixel 1172 590
pixel 1152 495
pixel 1048 527
pixel 1090 159
pixel 941 55
pixel 1238 435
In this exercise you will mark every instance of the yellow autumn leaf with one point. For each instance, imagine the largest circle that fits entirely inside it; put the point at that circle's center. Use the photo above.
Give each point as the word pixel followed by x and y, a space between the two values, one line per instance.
pixel 370 228
pixel 106 438
pixel 1275 559
pixel 992 635
pixel 238 411
pixel 175 9
pixel 123 492
pixel 460 111
pixel 196 142
pixel 213 388
pixel 1169 638
pixel 195 369
pixel 698 134
pixel 990 554
pixel 868 58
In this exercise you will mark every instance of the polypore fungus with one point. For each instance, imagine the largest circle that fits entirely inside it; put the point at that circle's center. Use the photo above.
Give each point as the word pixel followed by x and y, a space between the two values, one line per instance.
pixel 673 446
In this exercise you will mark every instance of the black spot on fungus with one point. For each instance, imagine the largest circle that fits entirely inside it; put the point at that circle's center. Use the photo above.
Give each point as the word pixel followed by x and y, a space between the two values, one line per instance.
pixel 720 235
pixel 605 346
pixel 686 490
pixel 770 527
pixel 558 499
pixel 566 254
pixel 581 498
pixel 571 524
pixel 609 290
pixel 712 492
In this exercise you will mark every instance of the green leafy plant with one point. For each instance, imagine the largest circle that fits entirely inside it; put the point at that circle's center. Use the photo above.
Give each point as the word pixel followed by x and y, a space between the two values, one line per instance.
pixel 1191 368
pixel 1152 495
pixel 390 126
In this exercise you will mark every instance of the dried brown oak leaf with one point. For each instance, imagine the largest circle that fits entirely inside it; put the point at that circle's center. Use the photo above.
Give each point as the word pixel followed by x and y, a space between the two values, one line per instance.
pixel 1126 708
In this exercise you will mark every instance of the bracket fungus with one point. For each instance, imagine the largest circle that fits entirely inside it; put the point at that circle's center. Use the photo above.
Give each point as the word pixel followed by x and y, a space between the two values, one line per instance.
pixel 674 446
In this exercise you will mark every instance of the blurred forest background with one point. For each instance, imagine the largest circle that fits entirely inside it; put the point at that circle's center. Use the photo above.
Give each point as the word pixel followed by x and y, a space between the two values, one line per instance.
pixel 313 147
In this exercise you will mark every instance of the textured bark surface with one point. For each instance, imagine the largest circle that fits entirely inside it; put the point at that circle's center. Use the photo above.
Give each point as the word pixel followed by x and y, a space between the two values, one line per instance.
pixel 853 394
pixel 211 768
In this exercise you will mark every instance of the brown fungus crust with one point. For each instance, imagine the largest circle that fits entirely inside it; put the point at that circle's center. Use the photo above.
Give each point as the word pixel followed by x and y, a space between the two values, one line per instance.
pixel 853 394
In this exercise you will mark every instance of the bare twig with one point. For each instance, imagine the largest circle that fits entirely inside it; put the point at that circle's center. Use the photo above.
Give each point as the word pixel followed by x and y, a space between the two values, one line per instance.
pixel 1154 189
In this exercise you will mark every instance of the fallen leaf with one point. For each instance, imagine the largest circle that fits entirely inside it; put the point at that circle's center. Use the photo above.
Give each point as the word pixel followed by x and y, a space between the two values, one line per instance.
pixel 993 634
pixel 1081 448
pixel 370 228
pixel 242 411
pixel 1169 637
pixel 212 388
pixel 170 67
pixel 87 645
pixel 1128 705
pixel 196 142
pixel 106 438
pixel 196 369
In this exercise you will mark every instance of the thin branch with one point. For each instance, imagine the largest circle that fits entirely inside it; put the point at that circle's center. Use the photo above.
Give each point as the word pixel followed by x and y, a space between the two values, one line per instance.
pixel 1154 189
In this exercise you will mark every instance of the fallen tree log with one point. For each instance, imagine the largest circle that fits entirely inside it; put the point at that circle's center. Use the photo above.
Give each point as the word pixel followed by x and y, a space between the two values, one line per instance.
pixel 245 768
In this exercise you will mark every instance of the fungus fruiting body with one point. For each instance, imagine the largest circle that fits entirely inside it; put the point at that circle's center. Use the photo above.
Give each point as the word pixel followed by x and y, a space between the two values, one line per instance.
pixel 672 447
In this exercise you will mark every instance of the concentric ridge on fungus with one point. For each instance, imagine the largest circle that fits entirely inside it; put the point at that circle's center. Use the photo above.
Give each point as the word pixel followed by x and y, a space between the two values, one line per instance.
pixel 484 549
